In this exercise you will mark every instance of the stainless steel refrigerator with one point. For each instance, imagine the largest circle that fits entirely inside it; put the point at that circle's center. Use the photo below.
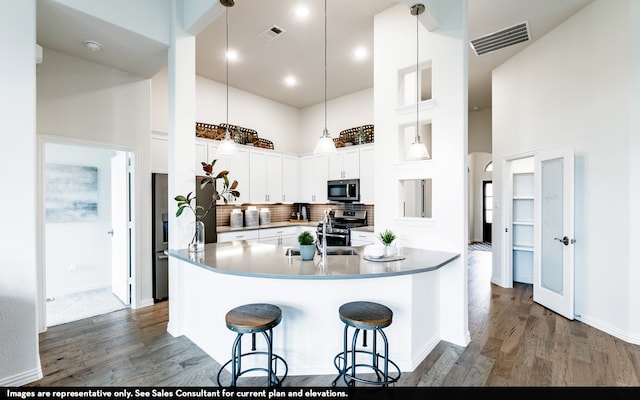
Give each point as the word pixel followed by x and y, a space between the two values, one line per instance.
pixel 160 228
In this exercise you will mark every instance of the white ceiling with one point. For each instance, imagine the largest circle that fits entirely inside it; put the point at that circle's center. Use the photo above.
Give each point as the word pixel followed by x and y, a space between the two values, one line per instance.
pixel 262 65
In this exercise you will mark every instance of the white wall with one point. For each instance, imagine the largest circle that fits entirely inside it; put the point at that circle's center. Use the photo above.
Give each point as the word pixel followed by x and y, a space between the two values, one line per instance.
pixel 19 359
pixel 350 111
pixel 290 129
pixel 572 88
pixel 83 102
pixel 78 254
pixel 447 230
pixel 480 131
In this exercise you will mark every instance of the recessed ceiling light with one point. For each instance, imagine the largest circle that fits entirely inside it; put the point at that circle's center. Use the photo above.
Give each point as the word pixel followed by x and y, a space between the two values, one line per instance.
pixel 302 12
pixel 290 80
pixel 232 55
pixel 360 53
pixel 92 45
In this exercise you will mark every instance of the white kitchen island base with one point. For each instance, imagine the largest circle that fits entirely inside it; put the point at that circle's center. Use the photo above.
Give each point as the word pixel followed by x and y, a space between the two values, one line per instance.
pixel 310 334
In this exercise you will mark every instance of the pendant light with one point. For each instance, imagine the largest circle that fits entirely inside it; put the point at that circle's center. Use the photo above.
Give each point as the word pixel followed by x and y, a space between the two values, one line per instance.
pixel 227 146
pixel 417 150
pixel 325 144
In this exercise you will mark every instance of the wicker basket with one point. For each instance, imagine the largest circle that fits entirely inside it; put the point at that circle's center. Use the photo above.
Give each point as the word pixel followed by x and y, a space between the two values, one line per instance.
pixel 241 135
pixel 263 143
pixel 338 143
pixel 209 131
pixel 358 135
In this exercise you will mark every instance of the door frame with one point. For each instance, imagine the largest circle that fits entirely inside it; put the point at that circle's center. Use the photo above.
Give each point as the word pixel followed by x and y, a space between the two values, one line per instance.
pixel 41 277
pixel 507 215
pixel 484 215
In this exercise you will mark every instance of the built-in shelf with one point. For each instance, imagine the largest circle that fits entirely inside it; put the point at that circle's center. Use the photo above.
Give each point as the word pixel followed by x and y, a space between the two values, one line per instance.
pixel 527 223
pixel 522 248
pixel 522 198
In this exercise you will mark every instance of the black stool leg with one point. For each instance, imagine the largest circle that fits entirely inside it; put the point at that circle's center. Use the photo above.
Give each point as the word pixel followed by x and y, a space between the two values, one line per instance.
pixel 236 350
pixel 354 343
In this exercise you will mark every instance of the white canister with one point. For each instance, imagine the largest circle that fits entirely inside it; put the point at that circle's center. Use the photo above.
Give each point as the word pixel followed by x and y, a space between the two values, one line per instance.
pixel 251 217
pixel 236 218
pixel 265 216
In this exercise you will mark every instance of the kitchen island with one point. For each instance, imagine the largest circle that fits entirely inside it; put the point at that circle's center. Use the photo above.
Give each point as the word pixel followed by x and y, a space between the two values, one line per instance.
pixel 204 286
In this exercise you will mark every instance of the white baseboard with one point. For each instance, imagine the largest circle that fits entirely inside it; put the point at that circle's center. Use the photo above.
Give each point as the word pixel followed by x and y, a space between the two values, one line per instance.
pixel 22 378
pixel 143 303
pixel 628 337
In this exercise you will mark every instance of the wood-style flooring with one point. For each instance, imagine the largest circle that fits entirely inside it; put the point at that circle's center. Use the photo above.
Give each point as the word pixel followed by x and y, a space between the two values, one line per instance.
pixel 514 342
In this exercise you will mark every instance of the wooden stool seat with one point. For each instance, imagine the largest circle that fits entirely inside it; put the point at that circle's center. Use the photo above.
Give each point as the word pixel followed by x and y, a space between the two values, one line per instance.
pixel 251 318
pixel 257 318
pixel 365 315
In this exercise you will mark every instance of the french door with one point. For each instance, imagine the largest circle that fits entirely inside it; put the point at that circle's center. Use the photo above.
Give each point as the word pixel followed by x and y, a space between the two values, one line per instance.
pixel 553 272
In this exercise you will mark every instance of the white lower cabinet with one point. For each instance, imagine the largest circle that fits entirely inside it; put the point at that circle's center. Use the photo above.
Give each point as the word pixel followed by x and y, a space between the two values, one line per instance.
pixel 249 235
pixel 285 236
pixel 360 238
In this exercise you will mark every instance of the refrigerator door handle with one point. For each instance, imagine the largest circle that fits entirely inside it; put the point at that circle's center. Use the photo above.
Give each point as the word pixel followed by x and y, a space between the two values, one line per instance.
pixel 161 255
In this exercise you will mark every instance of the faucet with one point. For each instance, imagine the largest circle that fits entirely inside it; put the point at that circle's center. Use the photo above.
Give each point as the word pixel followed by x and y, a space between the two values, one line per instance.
pixel 326 220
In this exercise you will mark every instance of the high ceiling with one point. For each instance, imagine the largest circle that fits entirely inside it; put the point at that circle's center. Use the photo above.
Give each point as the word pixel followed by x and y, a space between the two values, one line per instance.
pixel 262 65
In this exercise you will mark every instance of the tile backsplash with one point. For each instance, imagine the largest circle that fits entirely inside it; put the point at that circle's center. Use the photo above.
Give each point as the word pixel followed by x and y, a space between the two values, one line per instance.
pixel 282 212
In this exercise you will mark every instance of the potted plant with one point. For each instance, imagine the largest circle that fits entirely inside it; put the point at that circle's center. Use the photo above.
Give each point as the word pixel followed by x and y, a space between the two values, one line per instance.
pixel 307 245
pixel 229 191
pixel 387 237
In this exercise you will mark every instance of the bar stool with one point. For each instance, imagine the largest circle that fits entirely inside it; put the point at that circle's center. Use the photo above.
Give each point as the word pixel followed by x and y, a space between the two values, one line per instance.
pixel 365 316
pixel 254 318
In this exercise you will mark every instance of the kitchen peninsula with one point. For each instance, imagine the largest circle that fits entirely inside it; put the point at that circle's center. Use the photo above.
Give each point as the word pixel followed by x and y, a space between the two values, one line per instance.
pixel 309 293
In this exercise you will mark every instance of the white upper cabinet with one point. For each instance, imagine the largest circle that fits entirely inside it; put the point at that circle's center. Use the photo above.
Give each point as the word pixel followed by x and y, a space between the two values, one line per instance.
pixel 266 177
pixel 237 165
pixel 345 164
pixel 290 166
pixel 314 172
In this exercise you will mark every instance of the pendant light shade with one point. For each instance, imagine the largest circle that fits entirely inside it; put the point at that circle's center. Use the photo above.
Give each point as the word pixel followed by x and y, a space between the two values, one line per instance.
pixel 325 144
pixel 418 150
pixel 227 146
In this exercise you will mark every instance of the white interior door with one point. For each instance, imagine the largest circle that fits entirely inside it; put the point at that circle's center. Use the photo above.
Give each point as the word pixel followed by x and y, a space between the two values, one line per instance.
pixel 120 265
pixel 553 272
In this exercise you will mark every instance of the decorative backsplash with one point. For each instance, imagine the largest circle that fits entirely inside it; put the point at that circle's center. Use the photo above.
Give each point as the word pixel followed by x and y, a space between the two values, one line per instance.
pixel 282 212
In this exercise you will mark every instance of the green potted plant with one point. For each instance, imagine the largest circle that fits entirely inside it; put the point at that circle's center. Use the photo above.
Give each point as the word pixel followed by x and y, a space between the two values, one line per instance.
pixel 387 237
pixel 307 245
pixel 229 192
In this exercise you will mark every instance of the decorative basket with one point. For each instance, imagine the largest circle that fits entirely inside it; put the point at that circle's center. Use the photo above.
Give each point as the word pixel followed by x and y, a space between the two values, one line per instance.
pixel 209 131
pixel 358 135
pixel 241 135
pixel 338 143
pixel 263 143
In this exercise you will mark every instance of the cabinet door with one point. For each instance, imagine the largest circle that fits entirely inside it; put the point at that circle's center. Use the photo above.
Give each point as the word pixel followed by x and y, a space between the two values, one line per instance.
pixel 289 178
pixel 249 235
pixel 307 180
pixel 351 164
pixel 367 178
pixel 238 167
pixel 201 154
pixel 321 174
pixel 336 165
pixel 258 183
pixel 274 177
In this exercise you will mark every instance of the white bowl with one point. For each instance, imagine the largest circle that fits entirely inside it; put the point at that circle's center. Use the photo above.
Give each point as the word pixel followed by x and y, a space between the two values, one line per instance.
pixel 374 251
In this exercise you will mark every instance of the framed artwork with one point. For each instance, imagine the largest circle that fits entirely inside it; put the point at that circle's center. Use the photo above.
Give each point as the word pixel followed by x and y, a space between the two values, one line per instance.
pixel 71 193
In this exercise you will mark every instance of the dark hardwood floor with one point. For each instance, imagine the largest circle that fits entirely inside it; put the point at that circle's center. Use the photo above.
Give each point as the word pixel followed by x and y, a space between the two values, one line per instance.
pixel 514 342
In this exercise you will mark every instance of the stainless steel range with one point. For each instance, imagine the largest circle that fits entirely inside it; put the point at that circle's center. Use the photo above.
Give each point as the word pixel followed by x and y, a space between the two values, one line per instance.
pixel 339 229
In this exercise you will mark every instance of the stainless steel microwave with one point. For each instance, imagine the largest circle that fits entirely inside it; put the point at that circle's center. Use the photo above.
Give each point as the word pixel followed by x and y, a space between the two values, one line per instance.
pixel 344 190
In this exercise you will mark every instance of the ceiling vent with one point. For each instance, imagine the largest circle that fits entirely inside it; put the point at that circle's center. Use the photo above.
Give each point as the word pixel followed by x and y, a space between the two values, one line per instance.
pixel 272 33
pixel 507 37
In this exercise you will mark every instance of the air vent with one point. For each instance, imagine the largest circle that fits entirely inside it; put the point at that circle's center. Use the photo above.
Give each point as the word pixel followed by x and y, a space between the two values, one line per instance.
pixel 507 37
pixel 271 33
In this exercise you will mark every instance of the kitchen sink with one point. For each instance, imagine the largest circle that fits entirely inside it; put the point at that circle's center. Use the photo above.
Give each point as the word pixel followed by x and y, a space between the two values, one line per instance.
pixel 331 251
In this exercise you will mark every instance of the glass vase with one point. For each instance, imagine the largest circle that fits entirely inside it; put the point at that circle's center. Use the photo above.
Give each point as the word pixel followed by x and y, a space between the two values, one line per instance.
pixel 197 238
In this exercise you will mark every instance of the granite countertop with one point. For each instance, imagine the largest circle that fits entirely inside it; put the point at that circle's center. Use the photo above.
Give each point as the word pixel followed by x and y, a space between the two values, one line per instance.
pixel 263 260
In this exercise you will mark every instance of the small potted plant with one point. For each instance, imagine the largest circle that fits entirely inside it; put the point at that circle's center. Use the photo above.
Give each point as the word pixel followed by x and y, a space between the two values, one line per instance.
pixel 387 237
pixel 307 246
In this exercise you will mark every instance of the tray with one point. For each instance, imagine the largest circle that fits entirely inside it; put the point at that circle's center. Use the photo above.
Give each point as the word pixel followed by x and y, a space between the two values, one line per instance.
pixel 384 258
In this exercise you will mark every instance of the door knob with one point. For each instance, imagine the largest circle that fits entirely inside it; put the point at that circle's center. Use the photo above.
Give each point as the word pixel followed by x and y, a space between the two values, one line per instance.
pixel 110 232
pixel 564 240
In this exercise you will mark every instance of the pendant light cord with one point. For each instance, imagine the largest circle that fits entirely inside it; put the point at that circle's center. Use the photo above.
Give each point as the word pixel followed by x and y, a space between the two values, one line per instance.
pixel 227 134
pixel 325 133
pixel 417 82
